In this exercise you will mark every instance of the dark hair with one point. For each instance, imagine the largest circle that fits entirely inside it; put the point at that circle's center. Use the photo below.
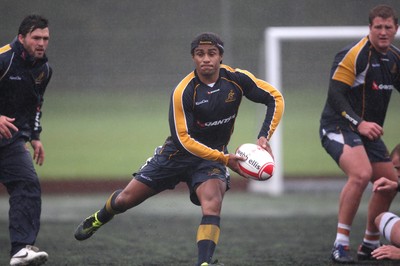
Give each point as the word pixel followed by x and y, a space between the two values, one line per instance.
pixel 31 23
pixel 207 38
pixel 395 151
pixel 383 11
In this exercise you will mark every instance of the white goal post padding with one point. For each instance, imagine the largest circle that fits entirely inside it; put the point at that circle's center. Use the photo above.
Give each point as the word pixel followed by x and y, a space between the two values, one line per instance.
pixel 273 38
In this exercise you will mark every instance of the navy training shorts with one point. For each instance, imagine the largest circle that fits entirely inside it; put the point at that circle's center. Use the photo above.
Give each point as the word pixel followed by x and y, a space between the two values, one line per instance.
pixel 170 166
pixel 333 140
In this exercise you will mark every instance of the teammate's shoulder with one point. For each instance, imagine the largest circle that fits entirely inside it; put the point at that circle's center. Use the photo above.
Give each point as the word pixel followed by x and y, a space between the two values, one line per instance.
pixel 355 47
pixel 395 50
pixel 5 48
pixel 5 51
pixel 231 70
pixel 227 68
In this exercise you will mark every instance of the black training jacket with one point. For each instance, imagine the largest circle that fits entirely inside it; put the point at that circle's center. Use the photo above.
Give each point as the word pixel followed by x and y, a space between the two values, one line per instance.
pixel 23 81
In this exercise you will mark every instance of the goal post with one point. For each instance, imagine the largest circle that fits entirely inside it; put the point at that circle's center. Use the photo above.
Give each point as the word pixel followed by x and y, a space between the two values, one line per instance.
pixel 273 38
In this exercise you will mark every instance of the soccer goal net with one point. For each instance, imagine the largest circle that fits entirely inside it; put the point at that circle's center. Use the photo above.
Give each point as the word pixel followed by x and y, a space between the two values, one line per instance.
pixel 278 51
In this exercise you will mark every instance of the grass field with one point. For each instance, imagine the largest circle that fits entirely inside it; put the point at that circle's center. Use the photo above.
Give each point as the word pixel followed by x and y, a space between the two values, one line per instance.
pixel 256 230
pixel 109 135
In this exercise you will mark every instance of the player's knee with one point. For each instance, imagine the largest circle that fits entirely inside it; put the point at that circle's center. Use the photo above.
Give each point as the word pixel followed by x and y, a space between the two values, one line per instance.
pixel 113 204
pixel 361 179
pixel 212 206
pixel 121 203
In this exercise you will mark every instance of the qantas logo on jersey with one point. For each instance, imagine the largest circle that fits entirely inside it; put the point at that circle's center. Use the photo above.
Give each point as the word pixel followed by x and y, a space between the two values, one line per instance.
pixel 216 123
pixel 377 87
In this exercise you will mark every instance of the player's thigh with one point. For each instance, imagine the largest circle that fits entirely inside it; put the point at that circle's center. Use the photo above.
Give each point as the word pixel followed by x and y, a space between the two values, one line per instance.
pixel 383 169
pixel 202 174
pixel 210 194
pixel 212 190
pixel 355 163
pixel 134 193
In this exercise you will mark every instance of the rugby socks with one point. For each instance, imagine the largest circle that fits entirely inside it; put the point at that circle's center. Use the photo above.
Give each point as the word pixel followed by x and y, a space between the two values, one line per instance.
pixel 109 209
pixel 372 239
pixel 343 235
pixel 207 237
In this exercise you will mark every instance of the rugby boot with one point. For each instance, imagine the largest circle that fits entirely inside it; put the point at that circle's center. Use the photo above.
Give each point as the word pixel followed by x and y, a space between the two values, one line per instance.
pixel 88 227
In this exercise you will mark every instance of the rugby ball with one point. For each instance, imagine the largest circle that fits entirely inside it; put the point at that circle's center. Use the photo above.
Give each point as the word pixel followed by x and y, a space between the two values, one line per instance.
pixel 259 164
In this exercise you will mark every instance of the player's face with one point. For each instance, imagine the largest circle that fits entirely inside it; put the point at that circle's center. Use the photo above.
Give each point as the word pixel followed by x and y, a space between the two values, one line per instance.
pixel 396 163
pixel 382 32
pixel 207 60
pixel 36 42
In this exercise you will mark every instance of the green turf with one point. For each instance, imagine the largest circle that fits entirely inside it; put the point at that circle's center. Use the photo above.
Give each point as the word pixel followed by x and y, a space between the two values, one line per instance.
pixel 256 230
pixel 109 135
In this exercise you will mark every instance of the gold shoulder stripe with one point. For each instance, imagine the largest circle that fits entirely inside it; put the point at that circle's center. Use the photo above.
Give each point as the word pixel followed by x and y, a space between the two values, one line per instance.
pixel 230 69
pixel 177 101
pixel 346 70
pixel 5 48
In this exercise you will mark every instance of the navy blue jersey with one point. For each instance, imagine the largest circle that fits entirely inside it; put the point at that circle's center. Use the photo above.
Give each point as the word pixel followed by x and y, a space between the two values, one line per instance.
pixel 202 117
pixel 362 81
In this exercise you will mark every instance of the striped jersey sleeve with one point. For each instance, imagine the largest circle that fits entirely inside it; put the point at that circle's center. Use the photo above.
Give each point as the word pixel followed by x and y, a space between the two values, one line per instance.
pixel 346 70
pixel 260 91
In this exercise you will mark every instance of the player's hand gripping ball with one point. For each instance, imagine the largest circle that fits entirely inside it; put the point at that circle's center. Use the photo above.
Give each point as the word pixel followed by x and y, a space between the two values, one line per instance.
pixel 259 164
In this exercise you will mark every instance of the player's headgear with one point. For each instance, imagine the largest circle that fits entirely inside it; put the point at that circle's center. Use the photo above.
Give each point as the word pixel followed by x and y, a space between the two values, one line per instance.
pixel 207 38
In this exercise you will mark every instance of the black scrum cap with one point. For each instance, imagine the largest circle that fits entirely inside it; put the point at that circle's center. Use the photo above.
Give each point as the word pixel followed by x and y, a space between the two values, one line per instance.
pixel 207 38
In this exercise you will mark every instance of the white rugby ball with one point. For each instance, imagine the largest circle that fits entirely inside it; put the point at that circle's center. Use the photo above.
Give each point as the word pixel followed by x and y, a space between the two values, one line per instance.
pixel 259 164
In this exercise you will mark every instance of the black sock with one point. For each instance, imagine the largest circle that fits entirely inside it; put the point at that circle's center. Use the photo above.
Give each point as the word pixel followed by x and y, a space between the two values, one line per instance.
pixel 109 210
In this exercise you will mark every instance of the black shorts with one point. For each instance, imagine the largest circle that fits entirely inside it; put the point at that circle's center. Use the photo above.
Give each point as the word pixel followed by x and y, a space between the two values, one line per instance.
pixel 333 140
pixel 169 166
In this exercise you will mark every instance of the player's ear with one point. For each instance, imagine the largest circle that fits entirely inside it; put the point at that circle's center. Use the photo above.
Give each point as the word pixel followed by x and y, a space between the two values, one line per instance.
pixel 20 38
